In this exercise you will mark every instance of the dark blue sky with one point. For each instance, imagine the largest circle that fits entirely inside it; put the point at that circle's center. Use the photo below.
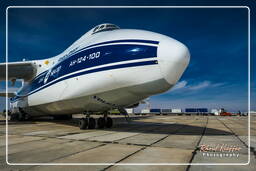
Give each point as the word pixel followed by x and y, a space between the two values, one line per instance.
pixel 217 75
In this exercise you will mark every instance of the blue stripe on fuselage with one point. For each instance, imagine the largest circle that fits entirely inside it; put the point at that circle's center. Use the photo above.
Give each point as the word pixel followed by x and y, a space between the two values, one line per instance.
pixel 135 64
pixel 115 41
pixel 124 41
pixel 108 54
pixel 108 42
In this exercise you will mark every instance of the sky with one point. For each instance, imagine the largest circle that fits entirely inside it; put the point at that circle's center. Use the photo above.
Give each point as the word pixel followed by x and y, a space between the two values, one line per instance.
pixel 217 76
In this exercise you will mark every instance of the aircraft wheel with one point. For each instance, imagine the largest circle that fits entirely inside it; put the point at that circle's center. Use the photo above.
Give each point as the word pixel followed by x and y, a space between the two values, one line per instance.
pixel 101 122
pixel 92 123
pixel 21 117
pixel 83 123
pixel 69 117
pixel 13 117
pixel 27 117
pixel 109 122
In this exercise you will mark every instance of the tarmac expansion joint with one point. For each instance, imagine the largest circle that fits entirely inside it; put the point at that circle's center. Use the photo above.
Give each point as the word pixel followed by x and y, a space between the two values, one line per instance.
pixel 146 146
pixel 197 146
pixel 252 149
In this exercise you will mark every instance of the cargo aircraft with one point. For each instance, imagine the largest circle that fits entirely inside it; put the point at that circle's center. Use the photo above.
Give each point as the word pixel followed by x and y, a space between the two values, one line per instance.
pixel 107 68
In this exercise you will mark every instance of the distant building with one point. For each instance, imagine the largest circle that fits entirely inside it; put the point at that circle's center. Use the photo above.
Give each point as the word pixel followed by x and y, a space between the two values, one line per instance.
pixel 166 111
pixel 196 110
pixel 176 110
pixel 155 111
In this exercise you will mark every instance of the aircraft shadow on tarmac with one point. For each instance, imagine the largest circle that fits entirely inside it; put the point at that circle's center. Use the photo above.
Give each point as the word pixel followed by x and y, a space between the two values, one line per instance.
pixel 137 126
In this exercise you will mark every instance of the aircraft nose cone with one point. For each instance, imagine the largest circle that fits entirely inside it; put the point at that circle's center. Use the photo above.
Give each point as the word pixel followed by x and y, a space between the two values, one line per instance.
pixel 173 58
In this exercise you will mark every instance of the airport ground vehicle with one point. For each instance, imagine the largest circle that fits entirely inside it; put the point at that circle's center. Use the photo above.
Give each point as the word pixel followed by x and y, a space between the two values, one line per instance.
pixel 223 112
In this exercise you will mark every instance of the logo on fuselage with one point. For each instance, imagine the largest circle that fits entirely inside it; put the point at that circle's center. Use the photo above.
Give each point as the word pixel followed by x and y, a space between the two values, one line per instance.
pixel 52 73
pixel 47 76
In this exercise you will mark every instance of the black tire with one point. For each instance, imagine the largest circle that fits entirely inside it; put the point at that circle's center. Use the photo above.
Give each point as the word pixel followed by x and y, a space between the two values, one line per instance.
pixel 83 123
pixel 101 122
pixel 69 117
pixel 109 122
pixel 21 117
pixel 14 117
pixel 92 123
pixel 27 117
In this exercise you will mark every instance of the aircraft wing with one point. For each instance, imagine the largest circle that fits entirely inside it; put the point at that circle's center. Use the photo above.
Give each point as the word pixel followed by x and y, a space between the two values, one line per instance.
pixel 18 70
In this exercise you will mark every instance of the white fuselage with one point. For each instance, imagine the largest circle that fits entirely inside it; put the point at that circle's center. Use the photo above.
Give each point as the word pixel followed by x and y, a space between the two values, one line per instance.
pixel 103 71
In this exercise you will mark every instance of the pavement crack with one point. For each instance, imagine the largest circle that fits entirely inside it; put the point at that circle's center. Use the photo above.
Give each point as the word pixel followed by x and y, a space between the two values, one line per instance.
pixel 64 156
pixel 143 148
pixel 251 149
pixel 197 146
pixel 233 133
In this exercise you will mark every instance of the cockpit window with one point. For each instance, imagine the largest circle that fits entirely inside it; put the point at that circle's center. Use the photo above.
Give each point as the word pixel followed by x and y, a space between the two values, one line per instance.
pixel 96 28
pixel 104 27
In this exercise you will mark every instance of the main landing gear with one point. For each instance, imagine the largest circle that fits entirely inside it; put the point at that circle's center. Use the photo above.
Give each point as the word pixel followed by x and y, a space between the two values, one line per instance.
pixel 105 122
pixel 20 116
pixel 90 122
pixel 87 122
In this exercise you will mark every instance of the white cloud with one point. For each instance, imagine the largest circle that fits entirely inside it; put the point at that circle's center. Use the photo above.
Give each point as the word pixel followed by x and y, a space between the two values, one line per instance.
pixel 180 85
pixel 200 85
pixel 218 84
pixel 185 86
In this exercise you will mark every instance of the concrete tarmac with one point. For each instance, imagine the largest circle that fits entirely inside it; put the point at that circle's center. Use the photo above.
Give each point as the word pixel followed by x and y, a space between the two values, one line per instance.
pixel 185 140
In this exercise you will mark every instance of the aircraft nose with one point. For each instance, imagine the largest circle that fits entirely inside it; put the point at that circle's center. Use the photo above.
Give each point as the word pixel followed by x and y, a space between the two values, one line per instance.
pixel 173 59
